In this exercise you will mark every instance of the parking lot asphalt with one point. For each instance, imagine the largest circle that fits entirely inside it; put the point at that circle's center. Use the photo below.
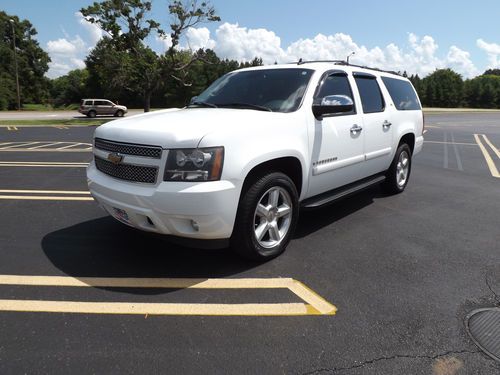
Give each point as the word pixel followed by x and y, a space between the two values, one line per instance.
pixel 403 272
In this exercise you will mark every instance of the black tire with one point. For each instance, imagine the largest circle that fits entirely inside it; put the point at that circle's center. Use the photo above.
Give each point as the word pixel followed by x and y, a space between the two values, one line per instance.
pixel 92 114
pixel 119 113
pixel 394 184
pixel 244 239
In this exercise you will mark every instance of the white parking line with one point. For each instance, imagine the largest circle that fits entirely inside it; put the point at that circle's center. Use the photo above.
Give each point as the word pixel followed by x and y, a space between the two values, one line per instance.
pixel 45 145
pixel 43 164
pixel 18 144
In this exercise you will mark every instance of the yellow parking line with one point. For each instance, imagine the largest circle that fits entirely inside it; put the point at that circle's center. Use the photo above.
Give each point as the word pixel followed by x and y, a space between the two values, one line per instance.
pixel 42 198
pixel 12 128
pixel 495 150
pixel 487 157
pixel 70 192
pixel 315 305
pixel 198 309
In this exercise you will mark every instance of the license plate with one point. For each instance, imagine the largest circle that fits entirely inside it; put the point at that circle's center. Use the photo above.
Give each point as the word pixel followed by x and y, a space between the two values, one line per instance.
pixel 121 215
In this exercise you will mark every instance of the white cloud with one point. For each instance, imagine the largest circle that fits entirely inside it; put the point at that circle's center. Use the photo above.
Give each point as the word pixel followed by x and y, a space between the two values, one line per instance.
pixel 198 38
pixel 165 41
pixel 68 53
pixel 419 56
pixel 459 60
pixel 240 43
pixel 493 51
pixel 94 32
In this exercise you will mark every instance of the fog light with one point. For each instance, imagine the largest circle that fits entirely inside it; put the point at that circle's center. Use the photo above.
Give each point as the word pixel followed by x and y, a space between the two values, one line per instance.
pixel 195 225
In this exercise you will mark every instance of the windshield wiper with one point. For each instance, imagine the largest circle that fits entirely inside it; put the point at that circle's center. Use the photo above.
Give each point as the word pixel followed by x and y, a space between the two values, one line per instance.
pixel 203 104
pixel 246 105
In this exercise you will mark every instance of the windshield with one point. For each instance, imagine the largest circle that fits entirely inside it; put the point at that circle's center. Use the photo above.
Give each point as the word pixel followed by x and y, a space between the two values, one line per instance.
pixel 277 90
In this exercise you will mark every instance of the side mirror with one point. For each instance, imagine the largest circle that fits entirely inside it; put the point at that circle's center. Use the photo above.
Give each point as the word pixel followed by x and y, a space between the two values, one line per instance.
pixel 193 99
pixel 332 104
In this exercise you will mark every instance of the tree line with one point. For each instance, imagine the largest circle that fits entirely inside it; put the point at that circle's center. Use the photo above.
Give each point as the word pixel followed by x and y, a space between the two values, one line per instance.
pixel 446 88
pixel 122 68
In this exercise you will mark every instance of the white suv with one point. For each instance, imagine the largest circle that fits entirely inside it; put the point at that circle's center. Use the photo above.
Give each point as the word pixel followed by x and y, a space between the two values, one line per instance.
pixel 236 164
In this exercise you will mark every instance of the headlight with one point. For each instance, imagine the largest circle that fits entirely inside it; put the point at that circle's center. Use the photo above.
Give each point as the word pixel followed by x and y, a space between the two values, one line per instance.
pixel 200 164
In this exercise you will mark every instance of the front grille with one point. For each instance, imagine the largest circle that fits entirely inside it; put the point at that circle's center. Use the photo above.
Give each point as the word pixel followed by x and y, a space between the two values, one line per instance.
pixel 128 148
pixel 127 172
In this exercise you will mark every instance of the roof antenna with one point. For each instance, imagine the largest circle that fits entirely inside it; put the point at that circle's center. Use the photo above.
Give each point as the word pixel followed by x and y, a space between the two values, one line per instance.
pixel 300 61
pixel 352 54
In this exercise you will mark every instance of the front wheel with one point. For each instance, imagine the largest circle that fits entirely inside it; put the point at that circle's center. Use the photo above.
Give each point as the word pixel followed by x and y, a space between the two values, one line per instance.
pixel 119 113
pixel 266 219
pixel 398 174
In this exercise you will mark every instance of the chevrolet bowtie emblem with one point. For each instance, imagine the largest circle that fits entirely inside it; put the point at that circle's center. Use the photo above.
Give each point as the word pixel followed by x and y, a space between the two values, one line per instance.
pixel 115 158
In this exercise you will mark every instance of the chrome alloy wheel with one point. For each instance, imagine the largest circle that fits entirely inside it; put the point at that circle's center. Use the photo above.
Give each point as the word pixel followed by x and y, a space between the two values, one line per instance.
pixel 272 217
pixel 402 169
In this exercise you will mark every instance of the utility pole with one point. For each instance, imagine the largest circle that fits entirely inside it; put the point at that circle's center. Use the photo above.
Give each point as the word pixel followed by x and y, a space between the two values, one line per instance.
pixel 15 61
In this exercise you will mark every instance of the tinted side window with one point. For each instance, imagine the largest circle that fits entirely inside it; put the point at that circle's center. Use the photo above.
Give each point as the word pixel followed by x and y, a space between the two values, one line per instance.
pixel 371 97
pixel 402 93
pixel 335 85
pixel 89 102
pixel 100 102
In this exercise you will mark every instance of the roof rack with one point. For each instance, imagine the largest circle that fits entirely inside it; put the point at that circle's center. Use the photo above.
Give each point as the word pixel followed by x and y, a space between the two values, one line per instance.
pixel 343 62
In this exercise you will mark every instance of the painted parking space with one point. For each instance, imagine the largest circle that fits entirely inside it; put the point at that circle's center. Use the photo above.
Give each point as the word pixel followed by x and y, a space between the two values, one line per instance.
pixel 45 146
pixel 45 195
pixel 312 303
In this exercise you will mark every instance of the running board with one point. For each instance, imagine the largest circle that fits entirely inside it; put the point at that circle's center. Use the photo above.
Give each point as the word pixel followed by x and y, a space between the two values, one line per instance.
pixel 337 194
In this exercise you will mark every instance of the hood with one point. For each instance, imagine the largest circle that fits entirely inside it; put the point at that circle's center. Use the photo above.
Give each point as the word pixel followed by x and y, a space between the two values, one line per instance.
pixel 180 128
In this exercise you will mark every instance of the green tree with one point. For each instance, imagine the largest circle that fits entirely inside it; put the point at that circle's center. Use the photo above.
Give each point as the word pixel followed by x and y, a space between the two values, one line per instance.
pixel 128 24
pixel 69 89
pixel 444 88
pixel 32 63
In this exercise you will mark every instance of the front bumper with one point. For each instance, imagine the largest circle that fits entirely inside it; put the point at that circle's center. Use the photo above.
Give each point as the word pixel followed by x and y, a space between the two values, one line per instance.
pixel 205 210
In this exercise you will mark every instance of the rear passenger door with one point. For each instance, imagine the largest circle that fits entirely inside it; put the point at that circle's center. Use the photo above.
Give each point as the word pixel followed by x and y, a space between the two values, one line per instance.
pixel 377 123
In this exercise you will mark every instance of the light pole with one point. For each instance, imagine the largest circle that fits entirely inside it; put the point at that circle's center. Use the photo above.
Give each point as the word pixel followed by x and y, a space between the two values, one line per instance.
pixel 15 62
pixel 352 54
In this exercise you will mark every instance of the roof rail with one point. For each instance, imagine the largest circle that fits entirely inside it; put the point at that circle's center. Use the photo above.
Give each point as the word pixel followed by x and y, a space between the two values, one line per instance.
pixel 343 62
pixel 301 62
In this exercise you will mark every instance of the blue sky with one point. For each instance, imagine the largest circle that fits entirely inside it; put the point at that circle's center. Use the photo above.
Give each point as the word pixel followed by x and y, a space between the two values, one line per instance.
pixel 414 36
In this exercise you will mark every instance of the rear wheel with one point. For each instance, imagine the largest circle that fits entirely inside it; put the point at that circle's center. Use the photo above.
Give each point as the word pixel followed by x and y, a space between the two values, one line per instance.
pixel 398 174
pixel 266 219
pixel 91 114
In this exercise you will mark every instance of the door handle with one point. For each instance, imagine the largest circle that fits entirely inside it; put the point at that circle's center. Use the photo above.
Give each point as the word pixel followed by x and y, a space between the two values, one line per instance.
pixel 387 124
pixel 356 128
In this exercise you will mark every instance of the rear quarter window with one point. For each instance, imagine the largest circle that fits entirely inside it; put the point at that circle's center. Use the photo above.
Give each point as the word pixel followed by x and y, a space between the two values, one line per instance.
pixel 402 93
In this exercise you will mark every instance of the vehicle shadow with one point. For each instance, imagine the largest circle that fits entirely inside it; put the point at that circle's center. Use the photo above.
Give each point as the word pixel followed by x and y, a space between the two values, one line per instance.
pixel 311 221
pixel 104 248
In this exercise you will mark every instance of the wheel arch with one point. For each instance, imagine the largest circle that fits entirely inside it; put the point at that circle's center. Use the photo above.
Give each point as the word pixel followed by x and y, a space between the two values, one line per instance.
pixel 289 165
pixel 409 139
